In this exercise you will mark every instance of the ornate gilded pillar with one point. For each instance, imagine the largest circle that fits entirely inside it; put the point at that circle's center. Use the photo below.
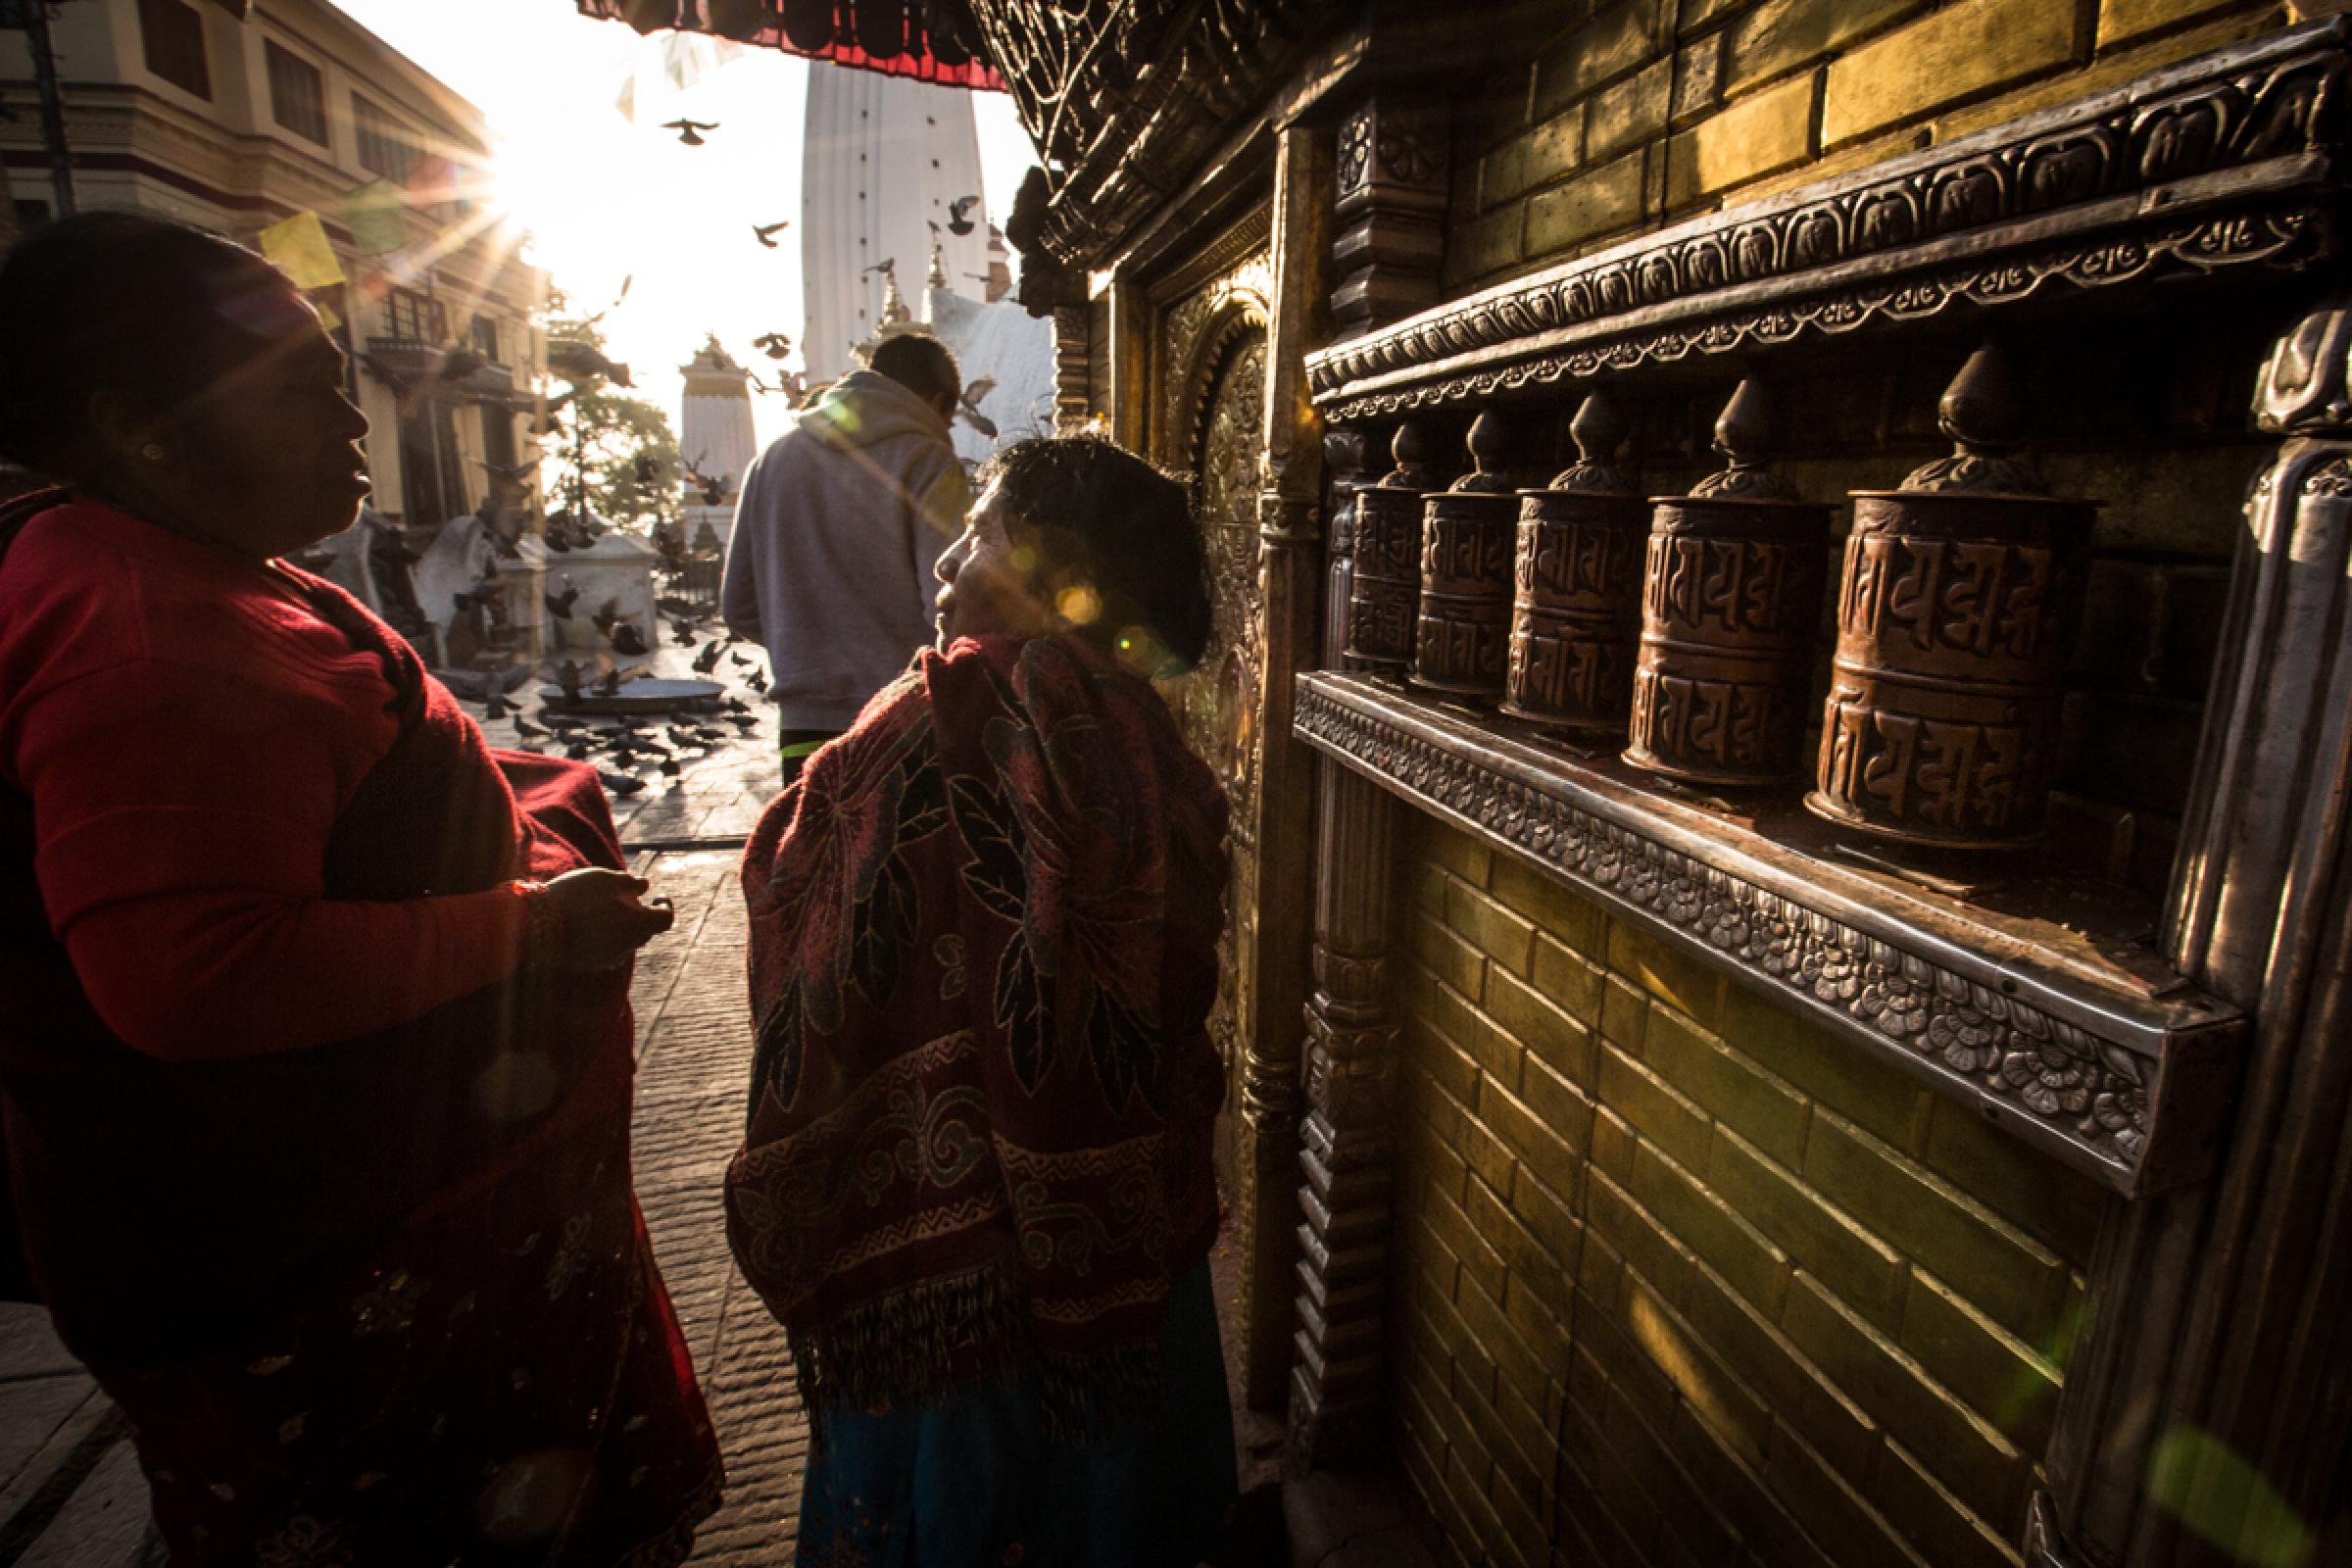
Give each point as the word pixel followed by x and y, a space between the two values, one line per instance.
pixel 2206 1419
pixel 1289 568
pixel 1392 184
pixel 1338 1390
pixel 1073 392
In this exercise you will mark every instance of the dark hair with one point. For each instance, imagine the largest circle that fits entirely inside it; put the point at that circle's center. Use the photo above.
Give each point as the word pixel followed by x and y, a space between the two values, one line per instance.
pixel 1103 519
pixel 129 303
pixel 922 364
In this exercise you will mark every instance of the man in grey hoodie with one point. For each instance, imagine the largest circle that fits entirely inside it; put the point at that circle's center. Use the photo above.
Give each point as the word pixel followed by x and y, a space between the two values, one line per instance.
pixel 838 526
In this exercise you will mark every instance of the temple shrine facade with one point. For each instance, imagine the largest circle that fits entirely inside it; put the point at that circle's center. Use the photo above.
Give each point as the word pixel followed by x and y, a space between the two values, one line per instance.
pixel 1781 666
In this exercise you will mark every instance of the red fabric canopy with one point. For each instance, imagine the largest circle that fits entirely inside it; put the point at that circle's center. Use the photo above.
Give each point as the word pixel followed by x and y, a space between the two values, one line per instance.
pixel 896 37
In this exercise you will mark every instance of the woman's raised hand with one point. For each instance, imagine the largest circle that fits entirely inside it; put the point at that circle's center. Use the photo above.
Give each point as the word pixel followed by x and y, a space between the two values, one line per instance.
pixel 604 918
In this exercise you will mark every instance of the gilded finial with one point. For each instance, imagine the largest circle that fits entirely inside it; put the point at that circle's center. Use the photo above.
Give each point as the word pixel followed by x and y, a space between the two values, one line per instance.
pixel 1411 453
pixel 1982 413
pixel 1486 442
pixel 1599 430
pixel 1744 437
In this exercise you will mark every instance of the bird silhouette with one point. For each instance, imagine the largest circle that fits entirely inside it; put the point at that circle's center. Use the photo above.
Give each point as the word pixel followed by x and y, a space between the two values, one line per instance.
pixel 739 661
pixel 627 641
pixel 969 406
pixel 958 223
pixel 621 783
pixel 765 232
pixel 690 131
pixel 605 615
pixel 708 660
pixel 682 629
pixel 714 491
pixel 568 678
pixel 560 605
pixel 545 424
pixel 775 345
pixel 887 267
pixel 609 686
pixel 496 705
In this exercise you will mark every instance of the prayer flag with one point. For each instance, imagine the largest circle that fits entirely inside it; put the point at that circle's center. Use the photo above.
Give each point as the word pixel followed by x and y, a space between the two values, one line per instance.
pixel 300 249
pixel 376 215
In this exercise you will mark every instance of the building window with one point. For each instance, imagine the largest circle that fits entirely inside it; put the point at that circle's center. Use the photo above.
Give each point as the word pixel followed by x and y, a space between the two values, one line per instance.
pixel 384 148
pixel 172 35
pixel 416 318
pixel 485 339
pixel 297 93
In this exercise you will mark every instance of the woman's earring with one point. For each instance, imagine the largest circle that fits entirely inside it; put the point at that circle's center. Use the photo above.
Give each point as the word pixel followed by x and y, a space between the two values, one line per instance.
pixel 153 452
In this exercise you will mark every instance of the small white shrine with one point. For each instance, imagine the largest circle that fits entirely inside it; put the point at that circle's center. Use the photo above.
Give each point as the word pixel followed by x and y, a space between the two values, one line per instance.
pixel 615 569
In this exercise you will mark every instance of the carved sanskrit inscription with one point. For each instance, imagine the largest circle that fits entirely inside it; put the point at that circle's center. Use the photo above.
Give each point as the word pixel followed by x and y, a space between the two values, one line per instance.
pixel 1954 618
pixel 1730 595
pixel 1387 584
pixel 1465 605
pixel 1576 612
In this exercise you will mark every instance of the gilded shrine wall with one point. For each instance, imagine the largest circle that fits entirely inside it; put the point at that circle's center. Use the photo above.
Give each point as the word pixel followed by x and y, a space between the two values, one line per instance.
pixel 1677 1272
pixel 1642 113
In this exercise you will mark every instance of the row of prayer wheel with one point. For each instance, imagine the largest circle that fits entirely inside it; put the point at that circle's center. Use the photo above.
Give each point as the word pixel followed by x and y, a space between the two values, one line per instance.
pixel 1686 624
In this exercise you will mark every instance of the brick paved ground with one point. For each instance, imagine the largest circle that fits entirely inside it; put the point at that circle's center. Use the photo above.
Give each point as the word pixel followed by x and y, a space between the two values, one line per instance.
pixel 693 1066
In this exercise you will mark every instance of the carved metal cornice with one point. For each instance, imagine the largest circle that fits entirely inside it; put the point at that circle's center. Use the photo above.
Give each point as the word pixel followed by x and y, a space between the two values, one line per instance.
pixel 2116 1082
pixel 1125 98
pixel 2223 163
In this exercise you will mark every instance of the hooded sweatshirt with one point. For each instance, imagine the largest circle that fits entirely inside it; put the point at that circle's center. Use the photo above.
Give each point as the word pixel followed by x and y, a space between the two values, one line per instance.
pixel 836 531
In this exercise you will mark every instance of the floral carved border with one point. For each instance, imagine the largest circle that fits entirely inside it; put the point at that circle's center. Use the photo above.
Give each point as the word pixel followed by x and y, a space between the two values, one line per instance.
pixel 2284 239
pixel 2112 188
pixel 2092 1094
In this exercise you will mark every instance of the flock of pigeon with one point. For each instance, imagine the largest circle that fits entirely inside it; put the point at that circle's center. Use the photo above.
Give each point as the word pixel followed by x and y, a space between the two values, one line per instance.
pixel 625 747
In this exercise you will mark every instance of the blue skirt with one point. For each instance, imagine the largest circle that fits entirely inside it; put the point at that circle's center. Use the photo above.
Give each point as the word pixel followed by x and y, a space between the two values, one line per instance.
pixel 970 1480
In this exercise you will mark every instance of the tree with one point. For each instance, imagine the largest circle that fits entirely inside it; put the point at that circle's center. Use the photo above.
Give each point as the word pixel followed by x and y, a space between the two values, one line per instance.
pixel 624 443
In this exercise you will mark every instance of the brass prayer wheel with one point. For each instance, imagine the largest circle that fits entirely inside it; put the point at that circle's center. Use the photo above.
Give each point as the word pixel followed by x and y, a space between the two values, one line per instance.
pixel 1730 592
pixel 1385 590
pixel 1467 532
pixel 1959 606
pixel 1576 608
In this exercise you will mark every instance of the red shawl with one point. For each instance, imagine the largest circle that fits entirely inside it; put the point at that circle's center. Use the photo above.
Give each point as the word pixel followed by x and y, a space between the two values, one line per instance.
pixel 983 948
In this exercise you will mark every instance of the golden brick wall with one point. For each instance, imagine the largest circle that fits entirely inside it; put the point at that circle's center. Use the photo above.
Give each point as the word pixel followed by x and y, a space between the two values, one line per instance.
pixel 1679 1273
pixel 1647 112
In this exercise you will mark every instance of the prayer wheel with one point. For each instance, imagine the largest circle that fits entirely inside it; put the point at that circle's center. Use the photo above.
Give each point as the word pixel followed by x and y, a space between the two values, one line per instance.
pixel 1384 588
pixel 1730 592
pixel 1467 533
pixel 1960 601
pixel 1576 609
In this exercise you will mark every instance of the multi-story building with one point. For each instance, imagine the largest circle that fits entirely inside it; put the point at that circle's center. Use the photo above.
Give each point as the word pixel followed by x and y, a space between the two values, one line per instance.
pixel 238 117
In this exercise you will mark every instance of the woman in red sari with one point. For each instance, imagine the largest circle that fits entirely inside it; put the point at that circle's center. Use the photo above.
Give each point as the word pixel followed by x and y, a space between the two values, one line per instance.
pixel 975 1186
pixel 315 1039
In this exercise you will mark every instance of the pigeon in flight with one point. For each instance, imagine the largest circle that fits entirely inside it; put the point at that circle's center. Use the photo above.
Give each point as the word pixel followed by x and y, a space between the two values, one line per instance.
pixel 969 406
pixel 957 222
pixel 560 605
pixel 766 232
pixel 690 131
pixel 775 345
